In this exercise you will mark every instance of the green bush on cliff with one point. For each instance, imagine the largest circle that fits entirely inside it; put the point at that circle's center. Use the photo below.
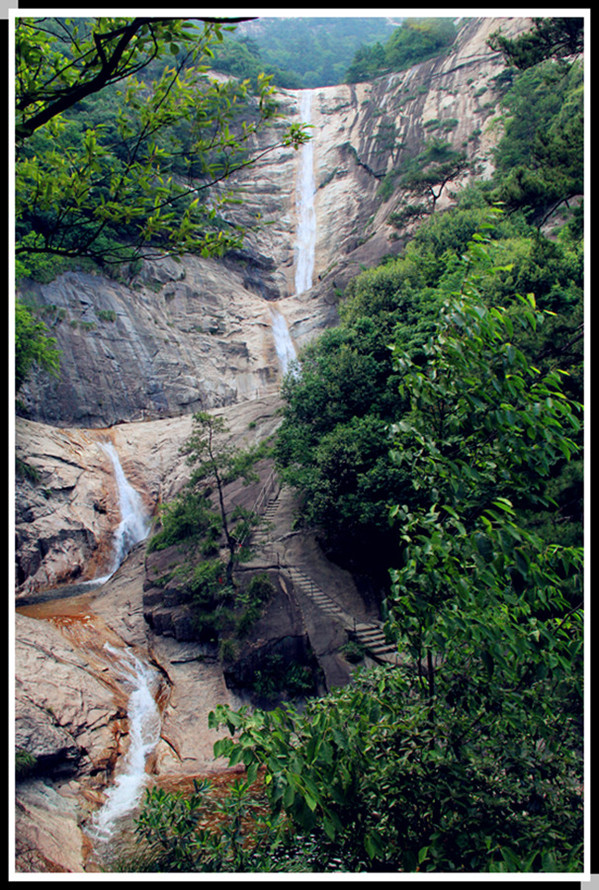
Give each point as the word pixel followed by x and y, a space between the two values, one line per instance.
pixel 222 612
pixel 414 41
pixel 467 757
pixel 34 346
pixel 25 763
pixel 188 519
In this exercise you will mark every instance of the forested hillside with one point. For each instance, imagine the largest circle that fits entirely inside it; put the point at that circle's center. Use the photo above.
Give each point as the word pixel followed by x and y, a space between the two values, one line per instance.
pixel 300 52
pixel 431 435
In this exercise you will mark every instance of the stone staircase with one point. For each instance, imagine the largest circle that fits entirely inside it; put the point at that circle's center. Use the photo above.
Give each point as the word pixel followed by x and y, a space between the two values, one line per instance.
pixel 262 536
pixel 370 635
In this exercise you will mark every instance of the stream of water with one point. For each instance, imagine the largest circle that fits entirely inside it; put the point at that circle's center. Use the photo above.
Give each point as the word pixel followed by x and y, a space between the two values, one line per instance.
pixel 305 240
pixel 134 675
pixel 306 216
pixel 141 682
pixel 135 522
pixel 283 343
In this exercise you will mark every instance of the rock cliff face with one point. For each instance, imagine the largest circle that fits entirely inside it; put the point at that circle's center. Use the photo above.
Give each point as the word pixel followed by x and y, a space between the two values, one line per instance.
pixel 197 334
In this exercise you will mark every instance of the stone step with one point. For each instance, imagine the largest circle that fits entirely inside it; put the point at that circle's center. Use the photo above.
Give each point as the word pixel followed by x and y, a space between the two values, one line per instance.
pixel 370 631
pixel 383 649
pixel 371 636
pixel 376 645
pixel 318 596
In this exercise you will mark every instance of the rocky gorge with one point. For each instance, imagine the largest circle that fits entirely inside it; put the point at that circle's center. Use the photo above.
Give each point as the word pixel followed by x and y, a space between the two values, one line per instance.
pixel 140 355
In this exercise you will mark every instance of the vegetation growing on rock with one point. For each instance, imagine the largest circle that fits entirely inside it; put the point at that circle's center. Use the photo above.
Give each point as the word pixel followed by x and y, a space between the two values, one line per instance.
pixel 435 439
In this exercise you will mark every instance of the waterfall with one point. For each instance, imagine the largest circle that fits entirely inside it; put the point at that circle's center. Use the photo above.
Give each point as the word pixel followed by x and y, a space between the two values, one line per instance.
pixel 304 201
pixel 144 733
pixel 304 243
pixel 283 343
pixel 134 525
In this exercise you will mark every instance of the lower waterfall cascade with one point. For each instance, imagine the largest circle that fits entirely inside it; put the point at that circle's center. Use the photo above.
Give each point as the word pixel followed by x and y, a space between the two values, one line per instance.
pixel 144 732
pixel 134 526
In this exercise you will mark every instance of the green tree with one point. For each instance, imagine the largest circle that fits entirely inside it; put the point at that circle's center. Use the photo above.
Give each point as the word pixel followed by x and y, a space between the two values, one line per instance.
pixel 414 41
pixel 433 169
pixel 201 831
pixel 33 345
pixel 105 188
pixel 216 463
pixel 473 765
pixel 540 159
pixel 549 38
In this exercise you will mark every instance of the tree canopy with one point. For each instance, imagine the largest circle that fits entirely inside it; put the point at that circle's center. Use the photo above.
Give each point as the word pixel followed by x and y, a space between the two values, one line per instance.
pixel 550 38
pixel 414 41
pixel 121 136
pixel 123 146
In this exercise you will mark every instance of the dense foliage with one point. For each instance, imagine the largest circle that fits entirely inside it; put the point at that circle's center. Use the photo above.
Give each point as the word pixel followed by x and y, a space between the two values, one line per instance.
pixel 414 41
pixel 540 159
pixel 33 345
pixel 301 52
pixel 549 38
pixel 121 134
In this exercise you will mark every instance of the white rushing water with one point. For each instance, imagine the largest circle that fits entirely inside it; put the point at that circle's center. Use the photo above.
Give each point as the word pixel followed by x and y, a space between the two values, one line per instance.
pixel 283 343
pixel 135 522
pixel 304 201
pixel 143 714
pixel 305 240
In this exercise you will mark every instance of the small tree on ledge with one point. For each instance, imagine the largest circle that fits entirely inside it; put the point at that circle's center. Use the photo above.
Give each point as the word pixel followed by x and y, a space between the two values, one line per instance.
pixel 217 463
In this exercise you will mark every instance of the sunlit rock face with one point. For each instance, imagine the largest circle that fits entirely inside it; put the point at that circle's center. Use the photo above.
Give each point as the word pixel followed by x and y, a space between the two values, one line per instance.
pixel 195 334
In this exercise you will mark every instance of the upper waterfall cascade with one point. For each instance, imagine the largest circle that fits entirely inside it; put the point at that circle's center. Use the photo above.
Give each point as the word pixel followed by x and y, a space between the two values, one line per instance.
pixel 306 216
pixel 305 238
